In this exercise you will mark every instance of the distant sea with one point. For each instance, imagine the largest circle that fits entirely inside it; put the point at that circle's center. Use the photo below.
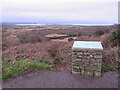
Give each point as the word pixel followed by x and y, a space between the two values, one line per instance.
pixel 54 24
pixel 63 24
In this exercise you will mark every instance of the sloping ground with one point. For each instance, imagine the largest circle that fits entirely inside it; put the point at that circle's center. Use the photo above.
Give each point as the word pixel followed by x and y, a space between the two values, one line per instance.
pixel 62 79
pixel 28 50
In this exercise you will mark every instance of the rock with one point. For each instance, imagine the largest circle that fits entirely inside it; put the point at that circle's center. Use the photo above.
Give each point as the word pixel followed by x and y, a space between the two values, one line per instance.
pixel 87 61
pixel 97 74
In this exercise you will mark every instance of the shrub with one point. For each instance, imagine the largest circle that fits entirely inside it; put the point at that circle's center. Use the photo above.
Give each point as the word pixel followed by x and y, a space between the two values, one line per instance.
pixel 60 37
pixel 115 37
pixel 70 39
pixel 106 42
pixel 7 42
pixel 99 32
pixel 31 38
pixel 74 35
pixel 54 52
pixel 111 57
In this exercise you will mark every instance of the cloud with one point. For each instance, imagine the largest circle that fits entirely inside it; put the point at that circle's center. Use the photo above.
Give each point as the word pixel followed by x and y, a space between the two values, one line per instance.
pixel 74 10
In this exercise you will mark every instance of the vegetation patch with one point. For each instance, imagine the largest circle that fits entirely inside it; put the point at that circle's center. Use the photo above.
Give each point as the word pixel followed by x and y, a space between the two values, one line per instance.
pixel 108 68
pixel 99 32
pixel 70 39
pixel 60 37
pixel 74 35
pixel 115 37
pixel 54 52
pixel 68 36
pixel 12 67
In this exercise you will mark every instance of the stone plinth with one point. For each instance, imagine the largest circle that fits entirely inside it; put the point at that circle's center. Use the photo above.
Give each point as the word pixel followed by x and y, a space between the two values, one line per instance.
pixel 87 58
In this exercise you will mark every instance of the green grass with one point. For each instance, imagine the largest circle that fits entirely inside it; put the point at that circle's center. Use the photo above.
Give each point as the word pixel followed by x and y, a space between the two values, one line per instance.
pixel 0 69
pixel 108 68
pixel 0 63
pixel 13 68
pixel 69 35
pixel 60 37
pixel 74 35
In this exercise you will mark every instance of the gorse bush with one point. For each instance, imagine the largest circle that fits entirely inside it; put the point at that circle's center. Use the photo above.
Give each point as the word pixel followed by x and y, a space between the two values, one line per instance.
pixel 12 67
pixel 74 35
pixel 60 37
pixel 70 39
pixel 99 32
pixel 54 52
pixel 106 42
pixel 111 56
pixel 7 42
pixel 31 38
pixel 115 37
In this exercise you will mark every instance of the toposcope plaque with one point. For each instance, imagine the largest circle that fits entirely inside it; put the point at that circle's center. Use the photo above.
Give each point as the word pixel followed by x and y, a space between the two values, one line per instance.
pixel 87 58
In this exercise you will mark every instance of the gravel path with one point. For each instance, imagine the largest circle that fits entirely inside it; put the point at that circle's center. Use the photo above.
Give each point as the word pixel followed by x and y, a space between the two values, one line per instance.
pixel 62 79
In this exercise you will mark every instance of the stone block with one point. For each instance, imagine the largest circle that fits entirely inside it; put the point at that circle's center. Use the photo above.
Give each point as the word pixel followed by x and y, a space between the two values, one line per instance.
pixel 87 60
pixel 90 67
pixel 79 63
pixel 76 67
pixel 74 53
pixel 79 53
pixel 79 56
pixel 97 74
pixel 78 59
pixel 81 67
pixel 98 56
pixel 86 53
pixel 91 56
pixel 87 72
pixel 82 71
pixel 75 72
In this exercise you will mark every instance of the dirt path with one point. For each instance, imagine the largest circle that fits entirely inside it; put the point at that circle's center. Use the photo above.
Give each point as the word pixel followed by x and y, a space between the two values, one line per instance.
pixel 62 79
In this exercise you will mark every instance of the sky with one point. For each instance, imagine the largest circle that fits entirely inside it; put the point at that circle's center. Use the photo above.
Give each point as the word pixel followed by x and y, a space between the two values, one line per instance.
pixel 65 11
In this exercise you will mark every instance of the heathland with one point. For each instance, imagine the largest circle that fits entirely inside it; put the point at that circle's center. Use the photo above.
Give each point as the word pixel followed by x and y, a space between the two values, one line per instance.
pixel 31 48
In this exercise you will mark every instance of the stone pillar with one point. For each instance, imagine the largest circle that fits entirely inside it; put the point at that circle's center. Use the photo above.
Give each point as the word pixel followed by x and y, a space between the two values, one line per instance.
pixel 87 60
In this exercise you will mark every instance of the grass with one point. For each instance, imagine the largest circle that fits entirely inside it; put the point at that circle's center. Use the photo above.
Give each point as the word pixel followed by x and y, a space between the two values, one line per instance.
pixel 11 67
pixel 0 69
pixel 108 68
pixel 60 37
pixel 69 35
pixel 75 35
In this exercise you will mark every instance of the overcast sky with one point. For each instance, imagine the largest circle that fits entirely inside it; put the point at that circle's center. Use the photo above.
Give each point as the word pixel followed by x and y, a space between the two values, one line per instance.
pixel 75 11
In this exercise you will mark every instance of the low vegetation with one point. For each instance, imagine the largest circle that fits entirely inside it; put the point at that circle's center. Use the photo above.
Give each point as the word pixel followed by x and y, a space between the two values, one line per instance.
pixel 60 37
pixel 115 37
pixel 12 67
pixel 70 39
pixel 99 32
pixel 34 43
pixel 68 36
pixel 31 38
pixel 108 68
pixel 54 52
pixel 74 34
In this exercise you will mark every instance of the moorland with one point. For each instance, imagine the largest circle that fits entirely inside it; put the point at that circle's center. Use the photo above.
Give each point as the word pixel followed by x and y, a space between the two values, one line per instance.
pixel 31 48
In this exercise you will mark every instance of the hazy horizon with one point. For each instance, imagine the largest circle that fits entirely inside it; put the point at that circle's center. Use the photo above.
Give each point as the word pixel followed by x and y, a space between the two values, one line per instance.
pixel 60 11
